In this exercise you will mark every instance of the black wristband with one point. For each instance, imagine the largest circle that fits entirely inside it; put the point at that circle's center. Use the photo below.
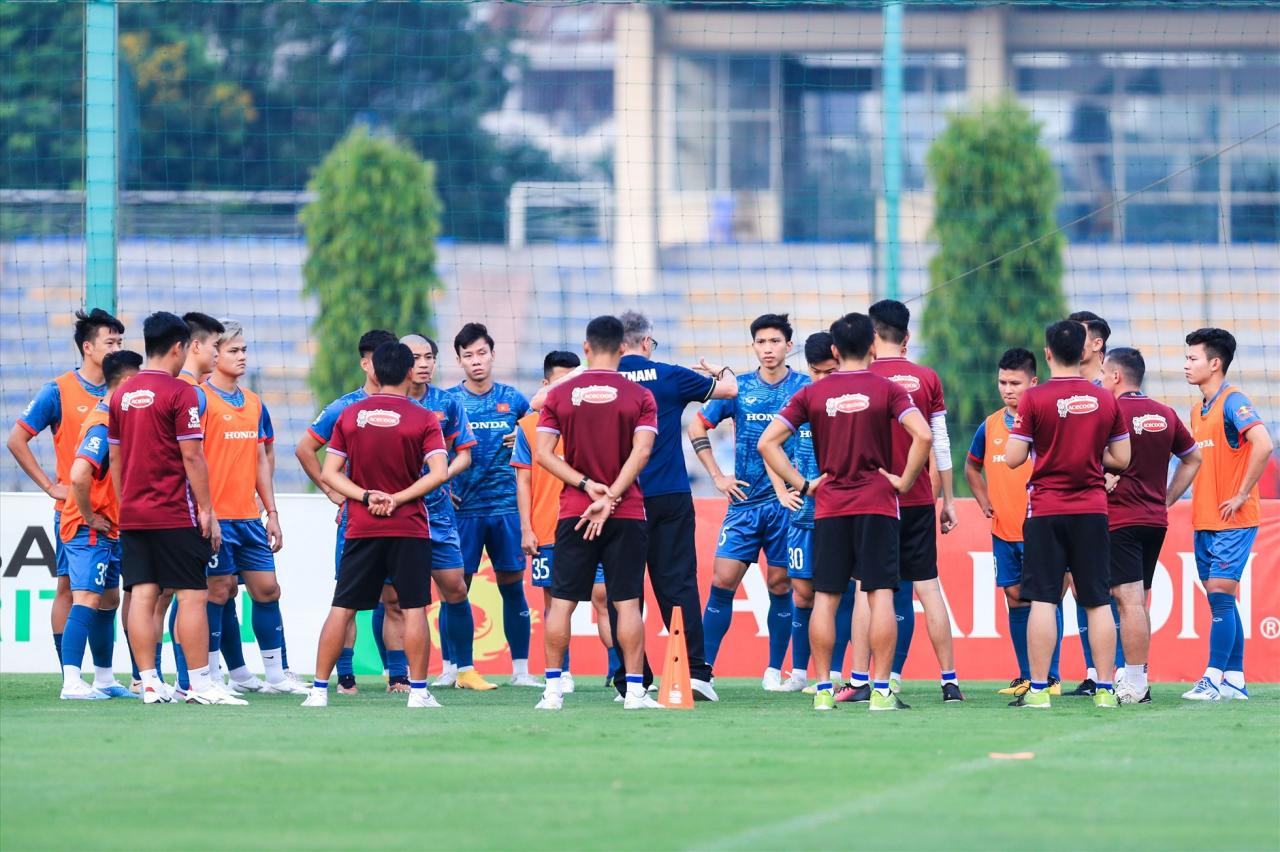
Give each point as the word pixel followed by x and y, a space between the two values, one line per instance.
pixel 582 486
pixel 365 498
pixel 804 489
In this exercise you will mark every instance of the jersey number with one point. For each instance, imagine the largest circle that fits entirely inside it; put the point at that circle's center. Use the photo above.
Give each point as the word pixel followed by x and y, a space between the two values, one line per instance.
pixel 540 568
pixel 796 557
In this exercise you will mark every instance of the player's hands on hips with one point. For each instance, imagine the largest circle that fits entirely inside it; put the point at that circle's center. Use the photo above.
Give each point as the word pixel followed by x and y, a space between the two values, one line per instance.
pixel 1112 480
pixel 509 439
pixel 950 518
pixel 335 498
pixel 275 538
pixel 1228 508
pixel 58 491
pixel 593 518
pixel 529 542
pixel 730 487
pixel 99 523
pixel 788 499
pixel 988 510
pixel 895 481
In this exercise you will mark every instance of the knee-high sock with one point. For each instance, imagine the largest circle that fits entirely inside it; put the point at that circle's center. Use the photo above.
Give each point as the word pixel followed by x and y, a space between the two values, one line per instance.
pixel 904 609
pixel 715 621
pixel 232 648
pixel 57 645
pixel 1082 624
pixel 214 613
pixel 614 660
pixel 1115 615
pixel 1235 662
pixel 377 620
pixel 133 661
pixel 462 627
pixel 844 628
pixel 1222 633
pixel 179 659
pixel 516 623
pixel 268 625
pixel 566 658
pixel 779 628
pixel 800 640
pixel 442 616
pixel 102 638
pixel 75 635
pixel 397 663
pixel 1054 671
pixel 1018 616
pixel 346 662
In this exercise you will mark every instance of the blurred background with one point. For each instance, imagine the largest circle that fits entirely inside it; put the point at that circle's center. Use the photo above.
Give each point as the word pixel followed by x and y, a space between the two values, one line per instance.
pixel 314 170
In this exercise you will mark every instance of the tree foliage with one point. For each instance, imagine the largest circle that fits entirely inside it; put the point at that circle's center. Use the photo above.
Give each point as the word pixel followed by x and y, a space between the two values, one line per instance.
pixel 996 189
pixel 371 239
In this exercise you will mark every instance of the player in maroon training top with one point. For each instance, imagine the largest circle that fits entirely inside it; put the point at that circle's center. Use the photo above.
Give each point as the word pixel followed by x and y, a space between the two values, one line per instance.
pixel 168 532
pixel 1075 429
pixel 376 459
pixel 918 530
pixel 1138 502
pixel 608 424
pixel 852 414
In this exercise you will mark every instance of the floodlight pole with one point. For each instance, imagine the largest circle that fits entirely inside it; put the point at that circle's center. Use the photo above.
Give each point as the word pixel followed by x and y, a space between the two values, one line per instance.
pixel 891 149
pixel 102 148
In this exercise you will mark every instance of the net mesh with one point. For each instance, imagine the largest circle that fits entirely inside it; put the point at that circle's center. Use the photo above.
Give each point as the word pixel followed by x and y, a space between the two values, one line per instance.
pixel 702 163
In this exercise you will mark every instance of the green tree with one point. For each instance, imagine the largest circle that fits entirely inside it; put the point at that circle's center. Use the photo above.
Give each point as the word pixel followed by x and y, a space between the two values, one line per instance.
pixel 996 189
pixel 371 240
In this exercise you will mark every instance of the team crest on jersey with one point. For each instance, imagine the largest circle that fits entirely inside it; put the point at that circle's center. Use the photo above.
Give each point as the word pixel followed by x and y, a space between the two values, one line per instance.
pixel 594 394
pixel 850 403
pixel 94 444
pixel 1078 404
pixel 1246 412
pixel 193 417
pixel 377 417
pixel 1149 423
pixel 908 382
pixel 503 408
pixel 82 408
pixel 137 399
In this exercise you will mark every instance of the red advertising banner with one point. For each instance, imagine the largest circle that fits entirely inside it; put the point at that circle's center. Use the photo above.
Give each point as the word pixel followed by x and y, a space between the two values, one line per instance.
pixel 1179 611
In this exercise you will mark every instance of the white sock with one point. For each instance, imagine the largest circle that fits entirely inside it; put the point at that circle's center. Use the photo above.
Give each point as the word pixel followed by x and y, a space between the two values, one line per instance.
pixel 461 669
pixel 71 677
pixel 553 686
pixel 835 677
pixel 200 680
pixel 635 689
pixel 241 674
pixel 1136 675
pixel 149 676
pixel 1236 679
pixel 271 662
pixel 104 676
pixel 895 675
pixel 215 666
pixel 519 667
pixel 1092 674
pixel 1214 675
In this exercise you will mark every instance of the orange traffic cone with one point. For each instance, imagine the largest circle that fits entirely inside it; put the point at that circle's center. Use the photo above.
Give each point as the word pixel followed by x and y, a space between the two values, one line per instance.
pixel 676 692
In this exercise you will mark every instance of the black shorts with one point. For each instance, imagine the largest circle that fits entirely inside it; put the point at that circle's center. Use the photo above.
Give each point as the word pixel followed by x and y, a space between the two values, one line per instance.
pixel 918 543
pixel 1054 542
pixel 367 563
pixel 171 558
pixel 1134 552
pixel 860 547
pixel 621 548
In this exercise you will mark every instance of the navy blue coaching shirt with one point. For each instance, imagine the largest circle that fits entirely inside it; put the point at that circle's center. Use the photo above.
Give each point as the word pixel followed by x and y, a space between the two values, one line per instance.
pixel 673 388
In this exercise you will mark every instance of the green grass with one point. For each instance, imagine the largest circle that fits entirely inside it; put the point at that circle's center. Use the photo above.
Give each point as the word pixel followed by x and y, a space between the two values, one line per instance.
pixel 755 771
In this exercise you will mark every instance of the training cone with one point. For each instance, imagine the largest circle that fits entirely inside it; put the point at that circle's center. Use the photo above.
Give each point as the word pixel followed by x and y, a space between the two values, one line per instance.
pixel 676 692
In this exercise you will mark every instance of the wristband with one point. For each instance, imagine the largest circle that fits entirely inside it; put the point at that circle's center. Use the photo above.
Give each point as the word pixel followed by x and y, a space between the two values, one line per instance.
pixel 804 489
pixel 582 486
pixel 365 498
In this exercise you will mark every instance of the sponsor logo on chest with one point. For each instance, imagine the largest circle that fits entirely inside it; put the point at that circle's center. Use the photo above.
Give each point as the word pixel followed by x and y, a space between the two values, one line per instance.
pixel 1078 404
pixel 850 403
pixel 240 435
pixel 379 417
pixel 757 417
pixel 1149 423
pixel 137 399
pixel 908 382
pixel 594 395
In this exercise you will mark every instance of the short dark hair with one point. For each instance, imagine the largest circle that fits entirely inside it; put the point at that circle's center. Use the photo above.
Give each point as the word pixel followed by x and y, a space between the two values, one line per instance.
pixel 469 334
pixel 1065 339
pixel 890 319
pixel 87 325
pixel 431 341
pixel 559 359
pixel 1130 362
pixel 852 335
pixel 1097 325
pixel 605 334
pixel 1018 358
pixel 392 362
pixel 117 363
pixel 779 321
pixel 817 347
pixel 1217 343
pixel 161 330
pixel 371 340
pixel 202 326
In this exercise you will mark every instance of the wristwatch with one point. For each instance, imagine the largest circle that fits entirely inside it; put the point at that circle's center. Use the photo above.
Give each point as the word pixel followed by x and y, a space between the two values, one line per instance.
pixel 365 498
pixel 582 486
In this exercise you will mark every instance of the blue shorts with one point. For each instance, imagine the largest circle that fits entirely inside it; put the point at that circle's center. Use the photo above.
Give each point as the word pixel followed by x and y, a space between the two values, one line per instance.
pixel 446 552
pixel 749 529
pixel 59 552
pixel 499 535
pixel 245 547
pixel 1008 556
pixel 800 553
pixel 92 567
pixel 1223 554
pixel 540 568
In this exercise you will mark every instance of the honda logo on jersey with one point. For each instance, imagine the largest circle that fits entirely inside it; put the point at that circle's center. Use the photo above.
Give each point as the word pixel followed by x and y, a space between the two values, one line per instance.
pixel 1079 404
pixel 137 399
pixel 594 394
pixel 377 417
pixel 850 403
pixel 1149 423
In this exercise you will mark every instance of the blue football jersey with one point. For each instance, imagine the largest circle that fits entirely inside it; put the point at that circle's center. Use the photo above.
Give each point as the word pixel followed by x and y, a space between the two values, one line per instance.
pixel 322 427
pixel 457 436
pixel 488 487
pixel 752 412
pixel 805 461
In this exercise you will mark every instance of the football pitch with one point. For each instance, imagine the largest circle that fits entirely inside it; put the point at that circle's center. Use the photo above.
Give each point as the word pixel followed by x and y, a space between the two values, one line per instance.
pixel 757 771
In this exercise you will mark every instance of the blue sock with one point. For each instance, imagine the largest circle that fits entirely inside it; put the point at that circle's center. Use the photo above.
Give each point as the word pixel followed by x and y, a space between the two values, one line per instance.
pixel 1039 685
pixel 179 659
pixel 442 620
pixel 552 674
pixel 715 621
pixel 1106 684
pixel 1018 616
pixel 232 649
pixel 1222 633
pixel 1082 624
pixel 1054 671
pixel 377 620
pixel 133 661
pixel 397 663
pixel 321 685
pixel 566 658
pixel 57 645
pixel 823 686
pixel 800 639
pixel 1235 662
pixel 268 626
pixel 881 685
pixel 905 611
pixel 614 661
pixel 102 638
pixel 213 611
pixel 844 628
pixel 1115 615
pixel 346 661
pixel 284 647
pixel 417 684
pixel 779 628
pixel 462 627
pixel 75 635
pixel 515 619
